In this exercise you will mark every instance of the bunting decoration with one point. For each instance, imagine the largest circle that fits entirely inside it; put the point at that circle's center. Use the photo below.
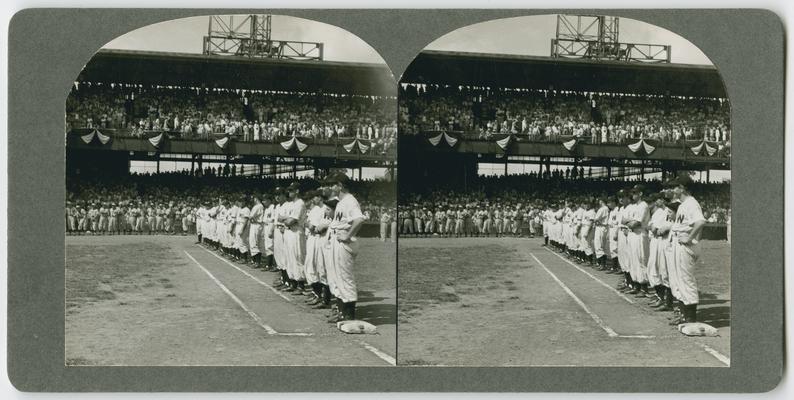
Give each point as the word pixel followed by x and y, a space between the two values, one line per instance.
pixel 710 150
pixel 503 143
pixel 88 137
pixel 696 150
pixel 363 147
pixel 104 139
pixel 436 139
pixel 569 145
pixel 648 148
pixel 641 144
pixel 222 142
pixel 357 143
pixel 350 146
pixel 294 143
pixel 451 141
pixel 156 140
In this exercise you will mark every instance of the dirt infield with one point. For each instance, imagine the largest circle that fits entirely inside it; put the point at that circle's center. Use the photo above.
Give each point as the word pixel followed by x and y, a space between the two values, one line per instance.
pixel 511 302
pixel 162 300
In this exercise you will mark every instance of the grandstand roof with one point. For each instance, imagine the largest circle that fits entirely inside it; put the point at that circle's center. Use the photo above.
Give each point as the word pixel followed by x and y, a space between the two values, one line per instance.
pixel 232 72
pixel 532 72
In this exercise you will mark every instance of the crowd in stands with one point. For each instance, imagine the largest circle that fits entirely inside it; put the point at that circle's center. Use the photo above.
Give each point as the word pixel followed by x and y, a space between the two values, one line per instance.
pixel 196 113
pixel 176 196
pixel 549 115
pixel 523 197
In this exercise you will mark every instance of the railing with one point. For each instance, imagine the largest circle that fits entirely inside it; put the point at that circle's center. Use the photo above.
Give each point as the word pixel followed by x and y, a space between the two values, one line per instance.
pixel 723 148
pixel 375 149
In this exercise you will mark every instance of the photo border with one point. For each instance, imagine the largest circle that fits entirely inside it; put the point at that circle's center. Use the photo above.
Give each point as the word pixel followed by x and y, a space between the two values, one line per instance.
pixel 48 48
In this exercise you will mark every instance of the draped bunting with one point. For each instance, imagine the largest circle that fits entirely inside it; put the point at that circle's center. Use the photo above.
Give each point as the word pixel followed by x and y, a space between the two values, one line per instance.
pixel 88 137
pixel 696 149
pixel 156 140
pixel 350 146
pixel 435 140
pixel 710 150
pixel 569 145
pixel 636 146
pixel 104 139
pixel 357 143
pixel 362 147
pixel 451 141
pixel 222 142
pixel 294 142
pixel 648 148
pixel 641 144
pixel 503 143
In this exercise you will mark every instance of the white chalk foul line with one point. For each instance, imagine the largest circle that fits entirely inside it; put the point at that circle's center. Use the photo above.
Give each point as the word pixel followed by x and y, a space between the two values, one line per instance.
pixel 383 356
pixel 249 275
pixel 623 296
pixel 719 356
pixel 253 315
pixel 564 287
pixel 380 354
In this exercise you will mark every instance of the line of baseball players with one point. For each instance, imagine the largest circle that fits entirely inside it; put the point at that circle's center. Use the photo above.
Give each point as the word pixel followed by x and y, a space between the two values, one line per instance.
pixel 650 239
pixel 129 217
pixel 307 238
pixel 471 220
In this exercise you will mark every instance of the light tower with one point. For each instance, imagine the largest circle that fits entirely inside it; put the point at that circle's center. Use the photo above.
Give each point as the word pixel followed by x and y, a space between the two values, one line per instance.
pixel 249 36
pixel 596 37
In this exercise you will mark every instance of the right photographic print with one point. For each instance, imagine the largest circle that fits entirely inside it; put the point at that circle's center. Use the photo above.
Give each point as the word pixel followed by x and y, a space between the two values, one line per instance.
pixel 564 198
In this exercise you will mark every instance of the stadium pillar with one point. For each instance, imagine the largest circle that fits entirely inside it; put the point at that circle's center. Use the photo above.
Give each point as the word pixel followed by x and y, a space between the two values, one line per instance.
pixel 708 175
pixel 609 172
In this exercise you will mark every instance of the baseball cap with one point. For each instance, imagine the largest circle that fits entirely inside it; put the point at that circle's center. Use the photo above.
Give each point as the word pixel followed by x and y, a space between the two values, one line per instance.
pixel 654 196
pixel 682 179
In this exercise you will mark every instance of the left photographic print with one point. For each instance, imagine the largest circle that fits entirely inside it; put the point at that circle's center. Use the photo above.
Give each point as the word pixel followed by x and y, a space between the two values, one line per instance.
pixel 231 197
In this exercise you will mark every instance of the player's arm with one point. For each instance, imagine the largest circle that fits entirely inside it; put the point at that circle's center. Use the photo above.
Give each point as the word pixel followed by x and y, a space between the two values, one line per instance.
pixel 697 229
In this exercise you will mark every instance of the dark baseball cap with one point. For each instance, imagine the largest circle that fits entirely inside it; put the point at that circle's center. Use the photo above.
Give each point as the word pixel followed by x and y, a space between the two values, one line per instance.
pixel 336 177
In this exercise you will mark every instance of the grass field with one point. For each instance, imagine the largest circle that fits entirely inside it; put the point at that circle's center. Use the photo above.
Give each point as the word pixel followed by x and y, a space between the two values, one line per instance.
pixel 511 302
pixel 162 300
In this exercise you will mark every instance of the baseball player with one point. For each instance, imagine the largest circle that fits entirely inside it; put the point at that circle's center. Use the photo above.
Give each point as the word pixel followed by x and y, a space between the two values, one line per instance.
pixel 658 233
pixel 586 233
pixel 293 219
pixel 601 234
pixel 622 245
pixel 685 242
pixel 613 232
pixel 317 222
pixel 241 230
pixel 637 240
pixel 255 230
pixel 268 227
pixel 279 255
pixel 342 230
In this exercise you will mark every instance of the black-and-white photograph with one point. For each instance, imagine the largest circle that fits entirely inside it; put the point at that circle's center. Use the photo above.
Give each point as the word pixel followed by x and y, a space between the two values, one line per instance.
pixel 564 198
pixel 231 198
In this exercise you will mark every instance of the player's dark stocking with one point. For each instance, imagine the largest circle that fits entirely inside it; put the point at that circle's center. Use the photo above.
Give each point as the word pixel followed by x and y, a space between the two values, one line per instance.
pixel 349 311
pixel 691 313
